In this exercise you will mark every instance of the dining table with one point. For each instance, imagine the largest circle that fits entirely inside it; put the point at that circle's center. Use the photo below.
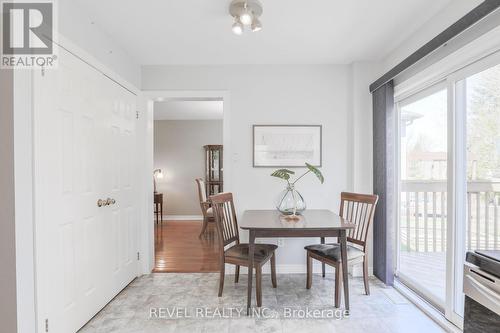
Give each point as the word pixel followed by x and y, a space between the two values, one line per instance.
pixel 310 223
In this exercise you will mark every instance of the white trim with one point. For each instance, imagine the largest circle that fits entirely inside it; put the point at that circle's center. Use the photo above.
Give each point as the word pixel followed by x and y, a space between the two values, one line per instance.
pixel 426 308
pixel 451 200
pixel 478 66
pixel 24 202
pixel 460 194
pixel 152 95
pixel 482 47
pixel 182 218
pixel 429 90
pixel 397 188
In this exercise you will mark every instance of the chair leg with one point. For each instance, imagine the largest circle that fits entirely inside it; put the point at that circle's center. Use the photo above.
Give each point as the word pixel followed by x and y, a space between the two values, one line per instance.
pixel 338 284
pixel 273 270
pixel 365 275
pixel 258 284
pixel 221 278
pixel 237 274
pixel 309 271
pixel 203 227
pixel 322 264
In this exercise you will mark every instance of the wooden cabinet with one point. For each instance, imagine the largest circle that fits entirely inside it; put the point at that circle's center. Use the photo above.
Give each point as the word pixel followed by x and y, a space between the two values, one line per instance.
pixel 214 169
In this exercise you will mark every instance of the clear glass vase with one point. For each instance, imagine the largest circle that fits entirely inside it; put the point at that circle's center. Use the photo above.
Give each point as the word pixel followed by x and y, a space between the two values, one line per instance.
pixel 290 201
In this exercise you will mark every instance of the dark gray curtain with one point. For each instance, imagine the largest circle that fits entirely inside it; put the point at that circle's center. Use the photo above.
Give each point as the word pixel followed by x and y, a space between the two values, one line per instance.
pixel 384 172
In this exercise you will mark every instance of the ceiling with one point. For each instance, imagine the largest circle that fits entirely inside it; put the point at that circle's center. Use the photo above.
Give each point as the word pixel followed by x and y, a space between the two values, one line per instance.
pixel 198 32
pixel 188 110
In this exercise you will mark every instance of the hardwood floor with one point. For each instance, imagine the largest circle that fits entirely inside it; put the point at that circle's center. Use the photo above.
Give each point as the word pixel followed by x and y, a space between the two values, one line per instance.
pixel 178 248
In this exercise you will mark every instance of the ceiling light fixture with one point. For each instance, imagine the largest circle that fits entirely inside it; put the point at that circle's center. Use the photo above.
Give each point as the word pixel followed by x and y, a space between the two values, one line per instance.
pixel 237 27
pixel 256 25
pixel 245 13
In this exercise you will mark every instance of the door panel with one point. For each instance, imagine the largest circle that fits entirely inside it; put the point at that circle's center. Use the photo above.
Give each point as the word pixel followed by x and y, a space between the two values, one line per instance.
pixel 85 254
pixel 423 194
pixel 479 226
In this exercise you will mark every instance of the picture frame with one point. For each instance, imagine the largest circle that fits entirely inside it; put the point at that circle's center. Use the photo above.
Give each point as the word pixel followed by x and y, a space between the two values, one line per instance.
pixel 287 145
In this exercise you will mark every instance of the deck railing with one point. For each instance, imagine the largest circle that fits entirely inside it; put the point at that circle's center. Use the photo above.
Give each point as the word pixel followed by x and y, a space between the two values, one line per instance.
pixel 424 216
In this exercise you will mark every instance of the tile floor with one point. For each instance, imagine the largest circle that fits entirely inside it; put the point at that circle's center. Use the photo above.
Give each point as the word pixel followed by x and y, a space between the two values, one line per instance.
pixel 162 302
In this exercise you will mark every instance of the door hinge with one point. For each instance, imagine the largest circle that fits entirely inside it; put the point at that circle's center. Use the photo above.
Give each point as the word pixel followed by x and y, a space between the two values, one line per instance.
pixel 138 256
pixel 46 325
pixel 137 114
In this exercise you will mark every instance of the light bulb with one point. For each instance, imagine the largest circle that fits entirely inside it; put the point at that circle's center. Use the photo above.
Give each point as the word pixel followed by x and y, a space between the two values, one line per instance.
pixel 246 18
pixel 237 28
pixel 256 25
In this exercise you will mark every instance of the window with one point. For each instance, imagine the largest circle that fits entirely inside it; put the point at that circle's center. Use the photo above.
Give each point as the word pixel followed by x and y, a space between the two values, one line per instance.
pixel 423 187
pixel 478 227
pixel 449 181
pixel 482 93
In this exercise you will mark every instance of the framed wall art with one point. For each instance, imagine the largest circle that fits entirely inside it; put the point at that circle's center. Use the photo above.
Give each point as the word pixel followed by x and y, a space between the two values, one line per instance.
pixel 286 145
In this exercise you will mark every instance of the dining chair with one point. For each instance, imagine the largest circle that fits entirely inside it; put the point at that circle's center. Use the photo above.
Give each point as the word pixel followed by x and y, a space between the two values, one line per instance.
pixel 206 209
pixel 358 209
pixel 237 253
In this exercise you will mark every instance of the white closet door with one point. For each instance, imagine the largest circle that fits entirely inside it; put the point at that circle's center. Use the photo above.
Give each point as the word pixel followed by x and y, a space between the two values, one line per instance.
pixel 84 126
pixel 120 133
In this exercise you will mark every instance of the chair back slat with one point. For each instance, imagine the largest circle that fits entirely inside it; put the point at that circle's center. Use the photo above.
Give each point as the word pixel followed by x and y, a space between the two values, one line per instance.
pixel 358 209
pixel 225 218
pixel 202 191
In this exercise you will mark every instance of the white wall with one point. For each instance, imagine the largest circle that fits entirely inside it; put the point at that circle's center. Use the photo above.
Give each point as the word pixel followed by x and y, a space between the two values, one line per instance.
pixel 179 153
pixel 75 24
pixel 277 94
pixel 8 312
pixel 363 74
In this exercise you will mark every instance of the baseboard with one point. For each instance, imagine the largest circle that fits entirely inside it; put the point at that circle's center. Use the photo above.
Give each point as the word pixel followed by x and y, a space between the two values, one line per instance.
pixel 182 217
pixel 298 269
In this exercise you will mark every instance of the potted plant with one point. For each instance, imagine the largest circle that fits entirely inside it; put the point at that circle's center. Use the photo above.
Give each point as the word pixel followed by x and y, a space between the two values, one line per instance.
pixel 290 201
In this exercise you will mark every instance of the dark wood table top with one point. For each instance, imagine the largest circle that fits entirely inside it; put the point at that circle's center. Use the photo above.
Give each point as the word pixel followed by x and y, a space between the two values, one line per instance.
pixel 311 219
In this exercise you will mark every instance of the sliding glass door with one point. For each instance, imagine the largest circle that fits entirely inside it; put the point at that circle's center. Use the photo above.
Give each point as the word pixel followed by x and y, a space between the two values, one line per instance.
pixel 423 188
pixel 449 181
pixel 478 106
pixel 482 228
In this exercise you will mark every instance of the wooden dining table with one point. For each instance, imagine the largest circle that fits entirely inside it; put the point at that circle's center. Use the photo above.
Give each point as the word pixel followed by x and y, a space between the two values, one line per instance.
pixel 312 223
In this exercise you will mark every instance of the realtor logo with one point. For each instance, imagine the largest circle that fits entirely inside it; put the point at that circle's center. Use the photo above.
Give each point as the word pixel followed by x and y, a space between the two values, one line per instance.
pixel 27 34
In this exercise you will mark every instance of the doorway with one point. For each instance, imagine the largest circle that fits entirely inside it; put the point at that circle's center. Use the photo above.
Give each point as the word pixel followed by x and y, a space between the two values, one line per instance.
pixel 186 171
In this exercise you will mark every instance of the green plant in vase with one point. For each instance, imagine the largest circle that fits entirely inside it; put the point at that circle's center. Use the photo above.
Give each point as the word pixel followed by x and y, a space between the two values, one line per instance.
pixel 290 201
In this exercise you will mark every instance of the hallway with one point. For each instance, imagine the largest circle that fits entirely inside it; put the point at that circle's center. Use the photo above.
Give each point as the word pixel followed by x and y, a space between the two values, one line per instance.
pixel 178 248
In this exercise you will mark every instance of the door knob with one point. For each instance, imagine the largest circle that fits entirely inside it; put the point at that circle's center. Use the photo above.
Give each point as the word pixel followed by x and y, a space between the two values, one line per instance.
pixel 105 202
